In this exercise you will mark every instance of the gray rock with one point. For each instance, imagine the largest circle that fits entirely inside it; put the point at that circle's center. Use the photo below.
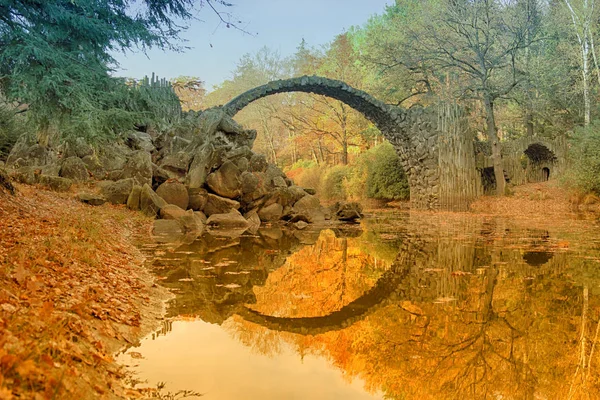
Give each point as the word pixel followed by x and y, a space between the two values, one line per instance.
pixel 74 168
pixel 231 220
pixel 140 141
pixel 177 162
pixel 91 199
pixel 258 163
pixel 253 221
pixel 348 212
pixel 271 213
pixel 202 216
pixel 197 198
pixel 226 181
pixel 93 165
pixel 150 202
pixel 308 209
pixel 117 192
pixel 242 163
pixel 201 166
pixel 279 182
pixel 228 125
pixel 26 175
pixel 171 211
pixel 55 183
pixel 209 120
pixel 133 201
pixel 113 157
pixel 219 205
pixel 191 223
pixel 249 182
pixel 78 148
pixel 139 168
pixel 174 193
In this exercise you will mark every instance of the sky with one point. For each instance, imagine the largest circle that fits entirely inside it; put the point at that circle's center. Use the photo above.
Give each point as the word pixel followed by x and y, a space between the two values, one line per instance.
pixel 278 24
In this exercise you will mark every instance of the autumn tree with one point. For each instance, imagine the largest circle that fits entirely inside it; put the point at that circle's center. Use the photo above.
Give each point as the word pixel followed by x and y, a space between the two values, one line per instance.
pixel 191 92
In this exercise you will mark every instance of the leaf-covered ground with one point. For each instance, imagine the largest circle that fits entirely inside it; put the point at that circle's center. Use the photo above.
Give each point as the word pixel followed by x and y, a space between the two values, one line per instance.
pixel 72 291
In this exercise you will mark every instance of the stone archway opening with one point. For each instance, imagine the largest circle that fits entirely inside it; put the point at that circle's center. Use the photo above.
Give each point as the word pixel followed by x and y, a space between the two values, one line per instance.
pixel 540 161
pixel 413 133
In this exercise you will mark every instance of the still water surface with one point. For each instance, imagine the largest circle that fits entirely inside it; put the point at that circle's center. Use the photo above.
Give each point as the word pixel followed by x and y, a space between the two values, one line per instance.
pixel 403 306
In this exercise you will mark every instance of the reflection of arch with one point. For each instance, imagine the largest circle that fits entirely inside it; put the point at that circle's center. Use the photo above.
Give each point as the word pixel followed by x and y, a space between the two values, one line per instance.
pixel 395 284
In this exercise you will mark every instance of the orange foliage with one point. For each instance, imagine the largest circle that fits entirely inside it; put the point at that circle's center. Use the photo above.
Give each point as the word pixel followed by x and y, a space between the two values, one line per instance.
pixel 70 292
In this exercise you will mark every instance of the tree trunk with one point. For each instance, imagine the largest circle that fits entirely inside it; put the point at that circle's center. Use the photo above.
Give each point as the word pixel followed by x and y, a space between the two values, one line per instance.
pixel 492 134
pixel 586 84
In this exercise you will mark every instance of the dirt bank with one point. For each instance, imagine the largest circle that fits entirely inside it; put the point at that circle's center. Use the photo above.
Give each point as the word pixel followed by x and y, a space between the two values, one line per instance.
pixel 73 290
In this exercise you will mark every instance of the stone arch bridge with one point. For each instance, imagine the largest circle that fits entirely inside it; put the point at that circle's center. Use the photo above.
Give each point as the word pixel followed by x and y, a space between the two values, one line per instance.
pixel 413 132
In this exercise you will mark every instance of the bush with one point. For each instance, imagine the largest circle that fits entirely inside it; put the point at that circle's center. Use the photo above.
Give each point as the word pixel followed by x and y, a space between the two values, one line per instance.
pixel 584 165
pixel 333 185
pixel 386 179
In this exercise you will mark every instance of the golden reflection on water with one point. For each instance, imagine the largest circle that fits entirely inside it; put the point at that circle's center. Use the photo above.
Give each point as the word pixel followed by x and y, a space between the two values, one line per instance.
pixel 416 306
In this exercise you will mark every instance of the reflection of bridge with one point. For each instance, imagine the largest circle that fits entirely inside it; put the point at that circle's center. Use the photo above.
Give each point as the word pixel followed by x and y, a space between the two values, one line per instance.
pixel 225 272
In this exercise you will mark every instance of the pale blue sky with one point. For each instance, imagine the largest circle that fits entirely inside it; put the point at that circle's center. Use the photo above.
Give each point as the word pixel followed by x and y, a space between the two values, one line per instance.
pixel 277 24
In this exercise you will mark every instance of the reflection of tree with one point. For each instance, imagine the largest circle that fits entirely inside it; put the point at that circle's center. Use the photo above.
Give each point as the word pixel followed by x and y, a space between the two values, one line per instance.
pixel 476 321
pixel 318 279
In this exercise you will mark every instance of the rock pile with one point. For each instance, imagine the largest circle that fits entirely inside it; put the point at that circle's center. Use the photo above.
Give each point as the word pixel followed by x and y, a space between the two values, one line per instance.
pixel 203 173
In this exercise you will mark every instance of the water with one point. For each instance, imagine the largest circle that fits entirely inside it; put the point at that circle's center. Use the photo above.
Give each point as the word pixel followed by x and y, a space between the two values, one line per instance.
pixel 404 306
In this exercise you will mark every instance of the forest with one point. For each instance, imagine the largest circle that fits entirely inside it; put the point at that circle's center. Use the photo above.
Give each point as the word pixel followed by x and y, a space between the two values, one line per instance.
pixel 520 68
pixel 408 211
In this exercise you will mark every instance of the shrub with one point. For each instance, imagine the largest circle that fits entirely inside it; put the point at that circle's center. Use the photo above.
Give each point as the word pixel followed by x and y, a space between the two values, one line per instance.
pixel 584 155
pixel 386 179
pixel 333 185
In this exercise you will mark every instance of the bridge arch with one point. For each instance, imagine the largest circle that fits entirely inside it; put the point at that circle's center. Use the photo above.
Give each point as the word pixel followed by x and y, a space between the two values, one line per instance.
pixel 413 136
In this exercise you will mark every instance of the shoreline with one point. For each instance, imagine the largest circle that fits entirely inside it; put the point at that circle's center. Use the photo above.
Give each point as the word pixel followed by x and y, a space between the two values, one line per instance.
pixel 73 293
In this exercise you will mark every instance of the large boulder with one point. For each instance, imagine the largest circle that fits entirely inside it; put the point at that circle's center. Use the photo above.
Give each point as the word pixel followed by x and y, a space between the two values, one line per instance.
pixel 198 198
pixel 258 163
pixel 230 220
pixel 171 211
pixel 253 221
pixel 133 201
pixel 113 157
pixel 347 211
pixel 140 141
pixel 307 209
pixel 150 202
pixel 174 193
pixel 74 168
pixel 55 183
pixel 139 168
pixel 226 181
pixel 117 192
pixel 271 213
pixel 78 148
pixel 219 205
pixel 177 162
pixel 206 158
pixel 192 223
pixel 93 165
